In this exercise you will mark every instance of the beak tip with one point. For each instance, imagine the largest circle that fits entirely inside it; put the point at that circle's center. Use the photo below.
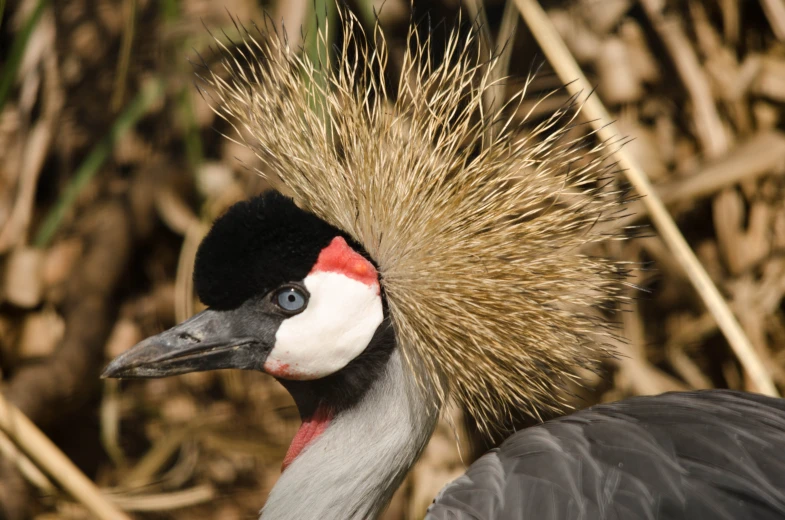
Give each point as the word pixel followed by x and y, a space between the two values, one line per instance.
pixel 111 371
pixel 121 367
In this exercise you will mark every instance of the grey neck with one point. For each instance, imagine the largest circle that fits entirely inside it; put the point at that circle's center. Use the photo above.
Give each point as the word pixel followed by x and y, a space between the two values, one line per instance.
pixel 352 469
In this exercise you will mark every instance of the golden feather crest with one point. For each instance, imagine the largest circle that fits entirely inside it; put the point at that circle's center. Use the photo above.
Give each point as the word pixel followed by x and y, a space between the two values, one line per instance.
pixel 478 240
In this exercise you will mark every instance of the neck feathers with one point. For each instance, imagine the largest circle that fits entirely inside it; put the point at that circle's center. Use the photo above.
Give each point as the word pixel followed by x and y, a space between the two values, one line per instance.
pixel 352 469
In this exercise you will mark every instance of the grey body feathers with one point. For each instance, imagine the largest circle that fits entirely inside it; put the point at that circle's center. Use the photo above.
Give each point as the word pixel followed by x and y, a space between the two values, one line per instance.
pixel 678 456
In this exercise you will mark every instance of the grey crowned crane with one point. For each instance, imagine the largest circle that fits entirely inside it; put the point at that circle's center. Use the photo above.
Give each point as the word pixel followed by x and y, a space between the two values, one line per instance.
pixel 411 256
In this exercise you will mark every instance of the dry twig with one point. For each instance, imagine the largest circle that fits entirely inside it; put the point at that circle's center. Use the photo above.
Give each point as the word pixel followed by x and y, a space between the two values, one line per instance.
pixel 46 455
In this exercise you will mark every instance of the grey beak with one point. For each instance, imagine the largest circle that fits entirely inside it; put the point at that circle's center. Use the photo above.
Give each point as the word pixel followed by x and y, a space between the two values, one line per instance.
pixel 210 340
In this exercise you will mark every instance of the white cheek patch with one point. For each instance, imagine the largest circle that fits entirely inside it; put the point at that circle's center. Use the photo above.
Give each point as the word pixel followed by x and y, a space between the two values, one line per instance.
pixel 339 322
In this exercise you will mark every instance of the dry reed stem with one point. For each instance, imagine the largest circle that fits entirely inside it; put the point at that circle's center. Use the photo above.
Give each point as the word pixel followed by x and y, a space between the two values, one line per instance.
pixel 184 300
pixel 775 12
pixel 504 41
pixel 26 467
pixel 568 70
pixel 54 462
pixel 167 501
pixel 762 154
pixel 143 473
pixel 123 63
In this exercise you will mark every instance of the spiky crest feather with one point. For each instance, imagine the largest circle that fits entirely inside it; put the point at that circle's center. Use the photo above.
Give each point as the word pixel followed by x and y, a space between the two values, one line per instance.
pixel 478 243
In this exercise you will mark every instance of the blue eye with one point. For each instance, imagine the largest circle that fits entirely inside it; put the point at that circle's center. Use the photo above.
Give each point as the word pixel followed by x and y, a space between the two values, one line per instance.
pixel 291 299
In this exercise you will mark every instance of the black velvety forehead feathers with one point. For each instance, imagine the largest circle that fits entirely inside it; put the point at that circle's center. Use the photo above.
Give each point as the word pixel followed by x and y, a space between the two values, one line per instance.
pixel 257 245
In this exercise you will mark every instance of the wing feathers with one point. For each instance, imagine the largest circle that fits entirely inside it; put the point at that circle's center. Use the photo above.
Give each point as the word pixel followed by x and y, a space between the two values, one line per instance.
pixel 679 456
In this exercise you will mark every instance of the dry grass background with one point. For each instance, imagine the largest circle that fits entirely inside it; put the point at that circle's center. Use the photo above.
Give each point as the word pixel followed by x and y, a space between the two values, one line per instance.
pixel 112 167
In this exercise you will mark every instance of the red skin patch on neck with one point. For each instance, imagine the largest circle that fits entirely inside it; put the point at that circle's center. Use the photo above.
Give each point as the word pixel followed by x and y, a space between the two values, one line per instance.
pixel 278 369
pixel 309 430
pixel 338 257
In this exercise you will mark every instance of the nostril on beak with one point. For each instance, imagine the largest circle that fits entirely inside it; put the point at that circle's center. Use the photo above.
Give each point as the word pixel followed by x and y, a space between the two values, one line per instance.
pixel 188 337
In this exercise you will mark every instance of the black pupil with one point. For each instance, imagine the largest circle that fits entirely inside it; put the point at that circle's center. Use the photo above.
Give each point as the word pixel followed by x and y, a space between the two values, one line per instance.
pixel 291 298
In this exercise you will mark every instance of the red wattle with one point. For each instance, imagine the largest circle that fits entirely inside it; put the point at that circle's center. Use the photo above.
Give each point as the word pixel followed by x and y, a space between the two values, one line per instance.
pixel 309 430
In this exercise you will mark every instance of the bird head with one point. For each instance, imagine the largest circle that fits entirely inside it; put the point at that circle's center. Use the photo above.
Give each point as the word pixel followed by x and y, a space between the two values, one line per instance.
pixel 461 227
pixel 287 294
